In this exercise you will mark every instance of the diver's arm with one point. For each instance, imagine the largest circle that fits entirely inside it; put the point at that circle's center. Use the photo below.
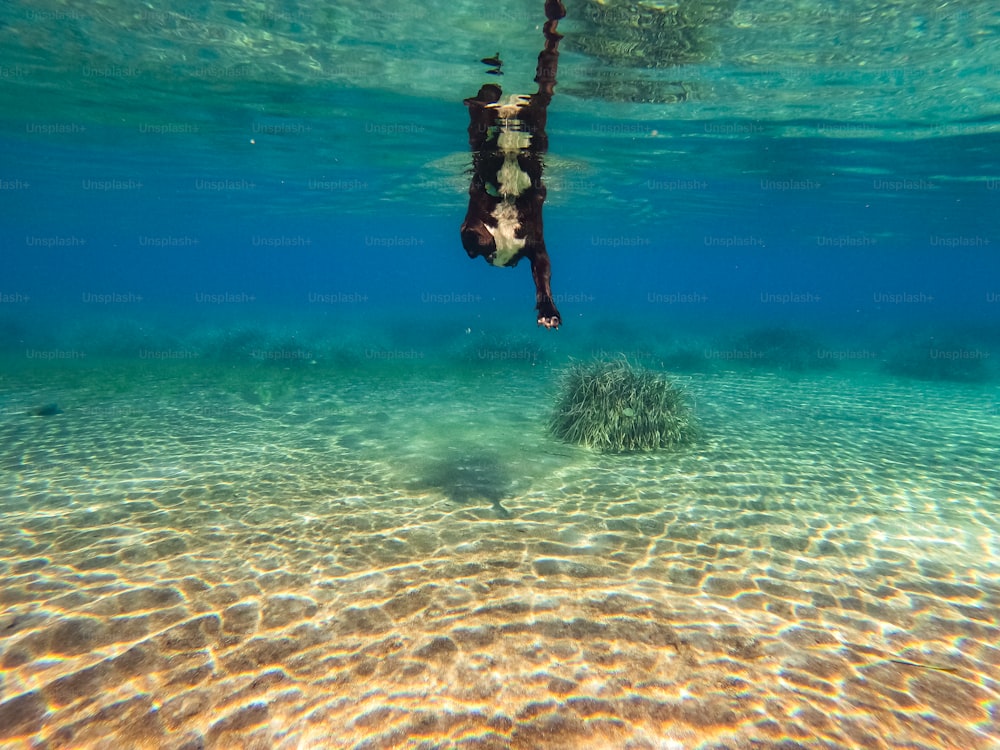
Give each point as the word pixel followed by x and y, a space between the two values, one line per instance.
pixel 536 113
pixel 541 272
pixel 548 58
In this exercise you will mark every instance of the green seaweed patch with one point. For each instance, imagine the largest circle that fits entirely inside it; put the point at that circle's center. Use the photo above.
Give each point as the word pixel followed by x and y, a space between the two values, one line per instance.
pixel 778 348
pixel 940 359
pixel 615 407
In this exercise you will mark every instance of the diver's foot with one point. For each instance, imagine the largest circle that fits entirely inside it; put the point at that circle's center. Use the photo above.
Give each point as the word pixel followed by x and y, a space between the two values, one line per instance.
pixel 548 316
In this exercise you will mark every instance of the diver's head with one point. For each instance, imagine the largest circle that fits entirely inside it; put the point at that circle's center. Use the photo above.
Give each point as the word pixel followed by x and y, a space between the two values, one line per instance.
pixel 489 93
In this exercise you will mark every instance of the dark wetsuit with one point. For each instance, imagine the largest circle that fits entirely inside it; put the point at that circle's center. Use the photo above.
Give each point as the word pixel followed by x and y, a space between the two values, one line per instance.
pixel 508 140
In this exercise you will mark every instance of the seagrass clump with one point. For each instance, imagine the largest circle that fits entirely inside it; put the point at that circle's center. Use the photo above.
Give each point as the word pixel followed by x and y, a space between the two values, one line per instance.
pixel 614 407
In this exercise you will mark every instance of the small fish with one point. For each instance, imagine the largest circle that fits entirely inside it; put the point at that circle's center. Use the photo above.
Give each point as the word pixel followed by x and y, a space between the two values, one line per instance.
pixel 494 72
pixel 495 61
pixel 908 663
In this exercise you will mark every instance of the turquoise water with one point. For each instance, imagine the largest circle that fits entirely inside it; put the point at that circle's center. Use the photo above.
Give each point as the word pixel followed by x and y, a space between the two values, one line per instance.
pixel 275 467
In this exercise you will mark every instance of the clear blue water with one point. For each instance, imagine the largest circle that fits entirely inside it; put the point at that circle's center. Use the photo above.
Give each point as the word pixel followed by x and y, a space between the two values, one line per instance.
pixel 229 254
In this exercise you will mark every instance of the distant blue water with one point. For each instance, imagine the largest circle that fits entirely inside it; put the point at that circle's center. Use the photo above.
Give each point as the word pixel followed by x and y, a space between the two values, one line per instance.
pixel 791 237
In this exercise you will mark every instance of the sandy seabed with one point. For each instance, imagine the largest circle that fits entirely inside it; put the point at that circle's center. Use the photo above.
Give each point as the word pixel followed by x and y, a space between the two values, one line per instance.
pixel 393 559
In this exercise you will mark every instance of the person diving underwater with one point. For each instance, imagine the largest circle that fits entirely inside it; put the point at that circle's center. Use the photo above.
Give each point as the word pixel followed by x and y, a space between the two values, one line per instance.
pixel 506 192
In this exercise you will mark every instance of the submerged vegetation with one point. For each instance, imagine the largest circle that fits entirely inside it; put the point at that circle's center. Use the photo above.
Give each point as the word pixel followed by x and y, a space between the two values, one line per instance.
pixel 947 358
pixel 780 348
pixel 501 349
pixel 615 407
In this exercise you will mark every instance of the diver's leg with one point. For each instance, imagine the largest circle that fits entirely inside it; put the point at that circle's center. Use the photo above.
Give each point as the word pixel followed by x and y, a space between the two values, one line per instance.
pixel 476 237
pixel 541 272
